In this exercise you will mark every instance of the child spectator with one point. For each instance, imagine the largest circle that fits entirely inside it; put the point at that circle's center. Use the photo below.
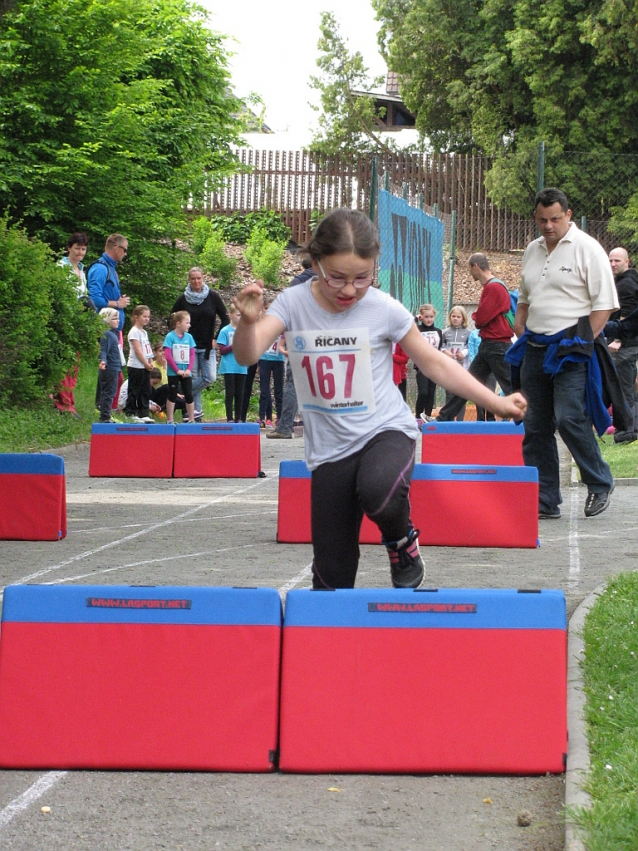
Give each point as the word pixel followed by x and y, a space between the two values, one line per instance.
pixel 159 361
pixel 179 351
pixel 400 368
pixel 234 374
pixel 426 388
pixel 455 343
pixel 110 363
pixel 271 363
pixel 140 364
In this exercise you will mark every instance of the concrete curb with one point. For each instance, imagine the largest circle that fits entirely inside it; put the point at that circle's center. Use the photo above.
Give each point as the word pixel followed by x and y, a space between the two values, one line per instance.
pixel 578 751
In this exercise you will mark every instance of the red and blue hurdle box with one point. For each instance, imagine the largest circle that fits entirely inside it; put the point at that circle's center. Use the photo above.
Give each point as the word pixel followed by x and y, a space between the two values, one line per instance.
pixel 135 451
pixel 217 450
pixel 425 681
pixel 139 678
pixel 498 443
pixel 293 508
pixel 475 506
pixel 33 497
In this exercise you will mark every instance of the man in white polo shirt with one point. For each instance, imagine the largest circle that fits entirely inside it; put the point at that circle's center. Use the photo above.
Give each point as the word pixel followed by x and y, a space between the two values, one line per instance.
pixel 566 277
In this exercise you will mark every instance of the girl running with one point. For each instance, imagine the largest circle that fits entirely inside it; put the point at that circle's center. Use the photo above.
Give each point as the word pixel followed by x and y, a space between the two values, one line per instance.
pixel 360 434
pixel 179 350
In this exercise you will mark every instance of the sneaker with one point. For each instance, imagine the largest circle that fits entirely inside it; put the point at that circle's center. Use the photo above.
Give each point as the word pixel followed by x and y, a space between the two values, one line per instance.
pixel 199 416
pixel 549 513
pixel 137 419
pixel 596 503
pixel 427 419
pixel 269 424
pixel 625 437
pixel 406 564
pixel 262 424
pixel 110 421
pixel 147 420
pixel 279 435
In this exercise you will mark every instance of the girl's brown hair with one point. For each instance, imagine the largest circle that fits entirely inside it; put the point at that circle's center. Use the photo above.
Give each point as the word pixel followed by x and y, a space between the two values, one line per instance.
pixel 139 309
pixel 344 231
pixel 178 316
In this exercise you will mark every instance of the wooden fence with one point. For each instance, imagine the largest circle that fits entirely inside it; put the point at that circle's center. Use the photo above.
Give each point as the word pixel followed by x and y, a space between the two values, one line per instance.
pixel 300 185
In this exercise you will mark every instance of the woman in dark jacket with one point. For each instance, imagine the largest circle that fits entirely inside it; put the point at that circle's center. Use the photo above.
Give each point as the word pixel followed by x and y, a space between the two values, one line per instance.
pixel 204 306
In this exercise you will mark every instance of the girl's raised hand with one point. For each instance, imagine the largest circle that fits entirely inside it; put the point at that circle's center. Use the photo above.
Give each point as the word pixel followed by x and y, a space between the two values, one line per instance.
pixel 249 302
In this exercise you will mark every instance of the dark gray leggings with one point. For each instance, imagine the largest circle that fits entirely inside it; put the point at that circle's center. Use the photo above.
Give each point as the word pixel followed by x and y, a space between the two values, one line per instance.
pixel 375 481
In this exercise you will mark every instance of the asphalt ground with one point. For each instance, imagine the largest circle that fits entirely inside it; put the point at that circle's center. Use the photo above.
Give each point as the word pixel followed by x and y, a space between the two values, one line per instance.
pixel 223 532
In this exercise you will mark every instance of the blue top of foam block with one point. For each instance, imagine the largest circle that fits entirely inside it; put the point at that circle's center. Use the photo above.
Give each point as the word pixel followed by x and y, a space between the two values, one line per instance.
pixel 152 605
pixel 294 470
pixel 473 473
pixel 132 429
pixel 444 608
pixel 217 428
pixel 31 463
pixel 471 427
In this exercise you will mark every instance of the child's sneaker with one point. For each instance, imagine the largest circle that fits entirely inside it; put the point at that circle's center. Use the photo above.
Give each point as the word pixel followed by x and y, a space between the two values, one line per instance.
pixel 269 424
pixel 406 564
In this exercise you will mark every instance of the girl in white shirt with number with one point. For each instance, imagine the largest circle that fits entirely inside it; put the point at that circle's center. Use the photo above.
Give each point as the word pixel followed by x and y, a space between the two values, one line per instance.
pixel 360 434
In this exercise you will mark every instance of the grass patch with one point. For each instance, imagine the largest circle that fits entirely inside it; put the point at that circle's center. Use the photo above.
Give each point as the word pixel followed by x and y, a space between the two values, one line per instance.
pixel 622 459
pixel 41 427
pixel 610 668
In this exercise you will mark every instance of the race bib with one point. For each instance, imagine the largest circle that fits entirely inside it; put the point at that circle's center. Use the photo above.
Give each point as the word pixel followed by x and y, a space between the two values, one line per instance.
pixel 332 370
pixel 181 354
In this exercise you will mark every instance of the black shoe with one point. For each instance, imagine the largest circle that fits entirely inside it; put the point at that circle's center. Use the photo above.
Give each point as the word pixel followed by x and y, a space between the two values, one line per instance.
pixel 406 564
pixel 625 437
pixel 596 503
pixel 549 513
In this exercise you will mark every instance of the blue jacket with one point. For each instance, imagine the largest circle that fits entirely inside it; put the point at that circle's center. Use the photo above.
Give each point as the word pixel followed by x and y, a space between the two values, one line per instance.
pixel 110 350
pixel 104 284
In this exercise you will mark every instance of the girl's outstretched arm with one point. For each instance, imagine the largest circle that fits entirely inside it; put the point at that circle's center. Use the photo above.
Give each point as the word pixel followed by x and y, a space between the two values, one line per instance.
pixel 451 375
pixel 253 334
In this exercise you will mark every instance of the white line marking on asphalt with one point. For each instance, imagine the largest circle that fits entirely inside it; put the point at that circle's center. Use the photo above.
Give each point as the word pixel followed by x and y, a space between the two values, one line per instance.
pixel 131 537
pixel 20 804
pixel 148 561
pixel 288 586
pixel 213 519
pixel 574 548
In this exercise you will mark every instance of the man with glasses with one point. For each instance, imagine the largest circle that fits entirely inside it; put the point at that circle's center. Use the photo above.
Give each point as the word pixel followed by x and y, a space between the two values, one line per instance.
pixel 103 282
pixel 104 288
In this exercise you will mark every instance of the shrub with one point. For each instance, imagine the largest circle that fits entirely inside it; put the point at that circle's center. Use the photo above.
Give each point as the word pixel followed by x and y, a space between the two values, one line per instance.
pixel 215 261
pixel 265 256
pixel 202 230
pixel 42 324
pixel 238 227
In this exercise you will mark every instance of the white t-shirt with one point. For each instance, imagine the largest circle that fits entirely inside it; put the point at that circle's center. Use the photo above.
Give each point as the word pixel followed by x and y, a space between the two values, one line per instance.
pixel 140 335
pixel 343 379
pixel 570 282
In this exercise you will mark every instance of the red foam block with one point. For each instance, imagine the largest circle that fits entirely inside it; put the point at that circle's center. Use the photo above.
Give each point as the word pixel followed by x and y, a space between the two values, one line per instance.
pixel 294 519
pixel 138 696
pixel 411 701
pixel 33 507
pixel 461 513
pixel 217 451
pixel 132 451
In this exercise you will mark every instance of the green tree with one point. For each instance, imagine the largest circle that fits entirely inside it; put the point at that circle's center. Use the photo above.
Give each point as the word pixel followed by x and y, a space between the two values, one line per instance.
pixel 42 324
pixel 348 122
pixel 112 113
pixel 498 76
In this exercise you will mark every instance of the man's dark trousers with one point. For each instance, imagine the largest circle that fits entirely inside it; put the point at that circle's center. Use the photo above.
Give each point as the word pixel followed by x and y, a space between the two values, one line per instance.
pixel 490 358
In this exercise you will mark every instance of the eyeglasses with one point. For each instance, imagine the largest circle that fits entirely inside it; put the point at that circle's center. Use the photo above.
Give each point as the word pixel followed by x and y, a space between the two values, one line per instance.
pixel 357 283
pixel 122 248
